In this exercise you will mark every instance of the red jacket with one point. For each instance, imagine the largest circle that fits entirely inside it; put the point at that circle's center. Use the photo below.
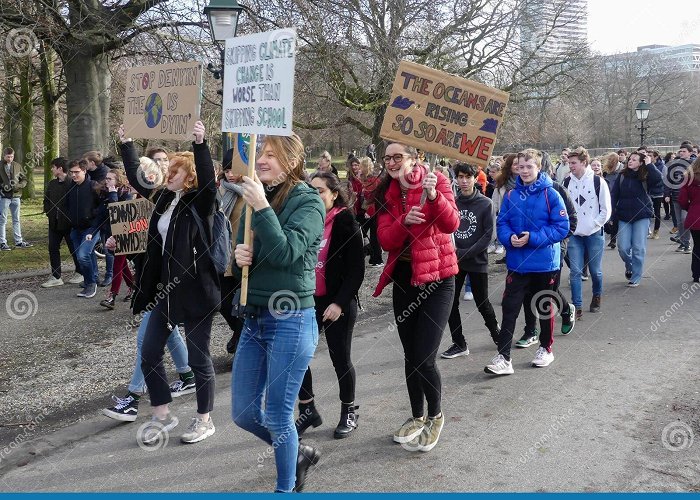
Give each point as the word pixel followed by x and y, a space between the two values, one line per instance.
pixel 432 252
pixel 689 199
pixel 355 186
pixel 368 189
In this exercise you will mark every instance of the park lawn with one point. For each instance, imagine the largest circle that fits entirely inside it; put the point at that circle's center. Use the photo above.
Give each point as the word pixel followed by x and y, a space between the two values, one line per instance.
pixel 35 229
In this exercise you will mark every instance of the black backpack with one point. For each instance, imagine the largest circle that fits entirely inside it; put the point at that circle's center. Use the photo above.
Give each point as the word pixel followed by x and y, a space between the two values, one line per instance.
pixel 220 248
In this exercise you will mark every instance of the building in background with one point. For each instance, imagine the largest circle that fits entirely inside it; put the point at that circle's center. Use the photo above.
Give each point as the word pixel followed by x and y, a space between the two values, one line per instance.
pixel 551 29
pixel 685 58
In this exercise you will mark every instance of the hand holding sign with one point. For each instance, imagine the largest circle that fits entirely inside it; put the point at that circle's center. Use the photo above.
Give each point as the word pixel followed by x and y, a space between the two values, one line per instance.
pixel 198 132
pixel 254 193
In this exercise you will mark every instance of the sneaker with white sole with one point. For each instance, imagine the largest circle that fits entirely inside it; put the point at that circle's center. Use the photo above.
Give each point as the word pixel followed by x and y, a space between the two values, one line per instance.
pixel 182 387
pixel 154 429
pixel 568 320
pixel 52 282
pixel 454 351
pixel 75 279
pixel 410 430
pixel 198 430
pixel 468 296
pixel 430 435
pixel 528 339
pixel 125 410
pixel 499 366
pixel 542 358
pixel 88 292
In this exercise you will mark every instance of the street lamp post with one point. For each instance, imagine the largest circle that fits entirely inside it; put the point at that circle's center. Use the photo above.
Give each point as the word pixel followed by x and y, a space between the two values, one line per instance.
pixel 223 20
pixel 642 111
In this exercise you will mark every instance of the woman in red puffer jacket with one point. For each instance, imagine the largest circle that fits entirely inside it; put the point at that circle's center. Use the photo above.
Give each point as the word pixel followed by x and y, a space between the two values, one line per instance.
pixel 689 200
pixel 417 230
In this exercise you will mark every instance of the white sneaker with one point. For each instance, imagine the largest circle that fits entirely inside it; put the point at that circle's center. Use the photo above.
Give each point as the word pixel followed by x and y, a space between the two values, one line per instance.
pixel 75 279
pixel 491 248
pixel 52 282
pixel 499 366
pixel 542 358
pixel 468 296
pixel 500 249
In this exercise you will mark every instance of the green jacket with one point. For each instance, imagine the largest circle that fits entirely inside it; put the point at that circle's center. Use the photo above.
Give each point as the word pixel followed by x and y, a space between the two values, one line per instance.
pixel 285 251
pixel 11 187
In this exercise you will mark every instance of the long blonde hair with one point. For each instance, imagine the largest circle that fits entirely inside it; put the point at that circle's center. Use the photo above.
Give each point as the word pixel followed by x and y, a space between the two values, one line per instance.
pixel 289 151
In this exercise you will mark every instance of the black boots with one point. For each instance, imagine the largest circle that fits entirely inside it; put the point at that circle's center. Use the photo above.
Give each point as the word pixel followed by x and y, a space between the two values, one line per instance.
pixel 348 420
pixel 307 457
pixel 308 416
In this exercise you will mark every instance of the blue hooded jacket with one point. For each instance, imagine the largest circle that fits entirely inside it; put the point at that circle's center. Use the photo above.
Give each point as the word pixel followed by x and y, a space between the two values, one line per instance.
pixel 539 209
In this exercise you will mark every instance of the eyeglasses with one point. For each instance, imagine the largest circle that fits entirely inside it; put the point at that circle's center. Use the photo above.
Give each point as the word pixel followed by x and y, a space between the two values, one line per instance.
pixel 398 158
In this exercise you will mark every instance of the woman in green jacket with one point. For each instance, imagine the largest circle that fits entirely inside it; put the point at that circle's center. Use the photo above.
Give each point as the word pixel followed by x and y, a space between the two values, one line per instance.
pixel 280 333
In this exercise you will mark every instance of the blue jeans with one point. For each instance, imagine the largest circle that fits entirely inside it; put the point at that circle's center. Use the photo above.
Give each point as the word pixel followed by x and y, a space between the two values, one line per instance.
pixel 272 357
pixel 85 254
pixel 632 246
pixel 13 204
pixel 176 346
pixel 109 265
pixel 683 233
pixel 579 248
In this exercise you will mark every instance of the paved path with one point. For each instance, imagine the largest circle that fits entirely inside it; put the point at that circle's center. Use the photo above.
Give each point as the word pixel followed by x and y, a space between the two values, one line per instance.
pixel 622 391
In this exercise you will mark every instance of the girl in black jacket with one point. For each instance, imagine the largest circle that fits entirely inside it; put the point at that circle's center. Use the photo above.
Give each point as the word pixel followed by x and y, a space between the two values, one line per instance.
pixel 339 274
pixel 178 282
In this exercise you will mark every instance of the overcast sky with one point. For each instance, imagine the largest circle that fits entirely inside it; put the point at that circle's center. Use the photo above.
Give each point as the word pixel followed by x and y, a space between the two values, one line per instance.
pixel 623 25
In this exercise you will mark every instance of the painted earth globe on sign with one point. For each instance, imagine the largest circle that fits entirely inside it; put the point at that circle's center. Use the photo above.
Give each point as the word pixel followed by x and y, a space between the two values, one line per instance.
pixel 153 110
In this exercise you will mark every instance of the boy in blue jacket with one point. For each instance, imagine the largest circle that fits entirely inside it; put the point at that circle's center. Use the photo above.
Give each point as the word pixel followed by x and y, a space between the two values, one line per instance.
pixel 531 223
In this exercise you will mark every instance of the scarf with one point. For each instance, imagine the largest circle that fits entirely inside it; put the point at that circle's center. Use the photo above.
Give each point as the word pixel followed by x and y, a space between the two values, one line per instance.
pixel 230 193
pixel 323 251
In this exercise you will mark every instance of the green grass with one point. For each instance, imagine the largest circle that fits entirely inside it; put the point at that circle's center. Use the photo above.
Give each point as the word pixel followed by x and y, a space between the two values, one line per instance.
pixel 35 229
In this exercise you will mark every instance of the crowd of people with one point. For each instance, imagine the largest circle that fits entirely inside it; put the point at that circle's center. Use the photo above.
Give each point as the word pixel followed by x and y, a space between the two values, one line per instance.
pixel 312 234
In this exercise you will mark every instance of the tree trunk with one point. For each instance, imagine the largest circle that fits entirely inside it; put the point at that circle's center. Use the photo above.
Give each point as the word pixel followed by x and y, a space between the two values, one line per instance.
pixel 50 101
pixel 87 102
pixel 26 110
pixel 12 136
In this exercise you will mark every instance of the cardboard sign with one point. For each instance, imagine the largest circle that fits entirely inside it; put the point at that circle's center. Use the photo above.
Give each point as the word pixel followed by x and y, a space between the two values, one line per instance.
pixel 129 221
pixel 259 83
pixel 163 102
pixel 443 114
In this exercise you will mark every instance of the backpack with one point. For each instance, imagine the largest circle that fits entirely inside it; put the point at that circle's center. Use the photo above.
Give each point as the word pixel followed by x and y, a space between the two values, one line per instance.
pixel 220 248
pixel 596 185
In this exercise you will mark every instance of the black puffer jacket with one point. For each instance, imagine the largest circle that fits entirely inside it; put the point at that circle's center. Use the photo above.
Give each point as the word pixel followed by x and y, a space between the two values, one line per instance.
pixel 184 274
pixel 345 267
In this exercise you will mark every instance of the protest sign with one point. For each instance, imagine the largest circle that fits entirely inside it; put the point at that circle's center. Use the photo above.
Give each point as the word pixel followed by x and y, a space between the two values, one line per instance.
pixel 162 102
pixel 129 221
pixel 443 114
pixel 259 83
pixel 239 161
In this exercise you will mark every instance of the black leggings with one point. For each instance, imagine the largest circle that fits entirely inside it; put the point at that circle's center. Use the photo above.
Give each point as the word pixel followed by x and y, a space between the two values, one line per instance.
pixel 339 338
pixel 480 288
pixel 657 212
pixel 375 251
pixel 695 258
pixel 421 316
pixel 197 335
